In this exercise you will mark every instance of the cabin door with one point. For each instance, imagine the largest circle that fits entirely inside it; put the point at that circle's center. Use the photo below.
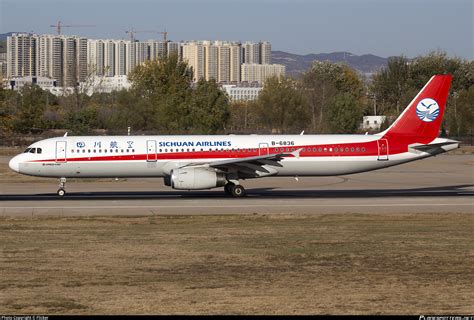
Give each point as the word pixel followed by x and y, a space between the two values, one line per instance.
pixel 61 151
pixel 151 155
pixel 383 149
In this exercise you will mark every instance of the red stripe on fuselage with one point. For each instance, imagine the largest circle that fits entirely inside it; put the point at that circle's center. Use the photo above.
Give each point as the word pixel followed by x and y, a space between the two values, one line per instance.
pixel 343 150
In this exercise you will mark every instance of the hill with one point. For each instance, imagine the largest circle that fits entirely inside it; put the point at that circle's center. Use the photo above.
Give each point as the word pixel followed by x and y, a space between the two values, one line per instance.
pixel 296 64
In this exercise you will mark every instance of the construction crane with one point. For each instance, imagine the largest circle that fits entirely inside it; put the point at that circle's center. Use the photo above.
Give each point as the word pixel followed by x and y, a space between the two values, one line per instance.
pixel 132 33
pixel 59 26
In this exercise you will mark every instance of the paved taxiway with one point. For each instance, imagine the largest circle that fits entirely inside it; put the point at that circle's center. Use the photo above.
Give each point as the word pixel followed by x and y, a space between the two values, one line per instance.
pixel 443 184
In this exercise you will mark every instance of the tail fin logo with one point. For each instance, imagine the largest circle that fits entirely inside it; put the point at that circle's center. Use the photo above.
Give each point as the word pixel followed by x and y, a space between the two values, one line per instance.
pixel 427 110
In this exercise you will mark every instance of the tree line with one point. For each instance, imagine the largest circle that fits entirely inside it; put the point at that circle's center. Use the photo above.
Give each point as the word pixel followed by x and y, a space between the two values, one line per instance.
pixel 327 98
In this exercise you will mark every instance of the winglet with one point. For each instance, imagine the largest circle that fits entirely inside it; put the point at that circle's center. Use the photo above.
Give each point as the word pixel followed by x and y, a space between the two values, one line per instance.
pixel 65 135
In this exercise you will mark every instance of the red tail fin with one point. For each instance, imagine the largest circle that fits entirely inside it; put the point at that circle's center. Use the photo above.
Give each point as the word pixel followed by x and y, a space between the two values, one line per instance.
pixel 421 120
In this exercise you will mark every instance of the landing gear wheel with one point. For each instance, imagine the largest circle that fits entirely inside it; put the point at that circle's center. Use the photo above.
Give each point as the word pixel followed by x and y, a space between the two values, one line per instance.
pixel 238 191
pixel 62 186
pixel 228 188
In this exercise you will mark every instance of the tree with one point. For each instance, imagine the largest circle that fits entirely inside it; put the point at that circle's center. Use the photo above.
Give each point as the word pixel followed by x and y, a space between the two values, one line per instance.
pixel 281 106
pixel 397 84
pixel 345 113
pixel 322 83
pixel 210 108
pixel 391 84
pixel 165 84
pixel 461 114
pixel 31 102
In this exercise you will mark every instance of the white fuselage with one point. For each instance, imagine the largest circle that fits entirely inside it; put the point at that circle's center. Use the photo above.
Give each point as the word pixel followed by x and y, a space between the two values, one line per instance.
pixel 156 156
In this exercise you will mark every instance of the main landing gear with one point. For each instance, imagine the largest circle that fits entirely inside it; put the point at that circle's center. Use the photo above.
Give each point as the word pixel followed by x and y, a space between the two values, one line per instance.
pixel 62 187
pixel 235 190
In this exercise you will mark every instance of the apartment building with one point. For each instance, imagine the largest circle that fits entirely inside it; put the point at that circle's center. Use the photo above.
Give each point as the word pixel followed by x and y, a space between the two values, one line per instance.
pixel 194 55
pixel 72 59
pixel 22 58
pixel 260 72
pixel 219 60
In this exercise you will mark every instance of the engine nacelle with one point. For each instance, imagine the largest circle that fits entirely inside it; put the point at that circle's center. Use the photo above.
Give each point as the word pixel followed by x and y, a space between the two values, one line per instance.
pixel 196 178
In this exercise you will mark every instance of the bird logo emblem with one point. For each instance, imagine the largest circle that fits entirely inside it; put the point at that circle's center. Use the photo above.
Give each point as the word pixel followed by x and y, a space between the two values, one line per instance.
pixel 427 110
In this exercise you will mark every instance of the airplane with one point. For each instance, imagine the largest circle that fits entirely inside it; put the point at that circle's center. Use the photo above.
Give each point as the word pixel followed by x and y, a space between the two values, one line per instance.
pixel 194 162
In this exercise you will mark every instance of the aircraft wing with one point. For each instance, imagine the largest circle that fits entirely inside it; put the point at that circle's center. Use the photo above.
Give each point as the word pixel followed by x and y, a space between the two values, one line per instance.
pixel 252 166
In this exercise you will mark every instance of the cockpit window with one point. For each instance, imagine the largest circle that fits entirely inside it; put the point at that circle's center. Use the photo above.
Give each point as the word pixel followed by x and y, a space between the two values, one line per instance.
pixel 33 150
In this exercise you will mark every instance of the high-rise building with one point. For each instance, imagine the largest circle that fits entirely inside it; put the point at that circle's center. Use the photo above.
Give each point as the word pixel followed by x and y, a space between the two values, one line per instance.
pixel 260 72
pixel 130 62
pixel 194 55
pixel 120 67
pixel 158 49
pixel 63 58
pixel 217 60
pixel 235 62
pixel 265 52
pixel 257 52
pixel 50 57
pixel 95 57
pixel 251 52
pixel 74 61
pixel 141 53
pixel 223 74
pixel 211 58
pixel 22 58
pixel 174 48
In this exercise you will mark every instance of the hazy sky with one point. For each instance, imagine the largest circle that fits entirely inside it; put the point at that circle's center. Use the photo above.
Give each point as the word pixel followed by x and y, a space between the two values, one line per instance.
pixel 381 27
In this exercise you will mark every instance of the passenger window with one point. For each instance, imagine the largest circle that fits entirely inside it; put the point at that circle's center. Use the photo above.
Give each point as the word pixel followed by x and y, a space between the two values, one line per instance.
pixel 363 149
pixel 357 149
pixel 347 149
pixel 352 149
pixel 72 150
pixel 83 150
pixel 320 149
pixel 336 149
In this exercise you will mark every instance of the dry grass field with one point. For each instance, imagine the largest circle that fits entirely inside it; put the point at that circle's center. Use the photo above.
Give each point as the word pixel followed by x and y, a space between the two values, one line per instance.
pixel 256 264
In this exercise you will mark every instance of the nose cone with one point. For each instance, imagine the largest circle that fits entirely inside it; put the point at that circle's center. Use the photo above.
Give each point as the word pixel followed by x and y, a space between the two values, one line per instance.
pixel 15 164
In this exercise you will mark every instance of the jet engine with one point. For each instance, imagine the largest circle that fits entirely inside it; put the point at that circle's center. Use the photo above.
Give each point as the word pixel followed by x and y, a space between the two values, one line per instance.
pixel 189 178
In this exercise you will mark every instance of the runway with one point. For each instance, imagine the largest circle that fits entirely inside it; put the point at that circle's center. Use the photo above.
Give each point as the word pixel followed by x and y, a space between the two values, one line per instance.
pixel 443 184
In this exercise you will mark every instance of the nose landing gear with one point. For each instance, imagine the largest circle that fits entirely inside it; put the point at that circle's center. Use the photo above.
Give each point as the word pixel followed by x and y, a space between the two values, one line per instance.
pixel 62 187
